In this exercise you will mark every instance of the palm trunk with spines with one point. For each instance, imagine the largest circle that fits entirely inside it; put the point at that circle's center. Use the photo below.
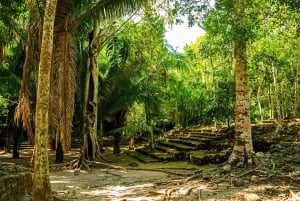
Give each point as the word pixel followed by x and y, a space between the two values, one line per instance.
pixel 62 77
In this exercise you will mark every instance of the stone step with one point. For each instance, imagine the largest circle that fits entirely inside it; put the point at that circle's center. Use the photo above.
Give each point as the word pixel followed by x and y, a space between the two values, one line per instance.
pixel 194 138
pixel 191 143
pixel 159 155
pixel 212 136
pixel 177 146
pixel 142 157
pixel 175 153
pixel 203 135
pixel 203 157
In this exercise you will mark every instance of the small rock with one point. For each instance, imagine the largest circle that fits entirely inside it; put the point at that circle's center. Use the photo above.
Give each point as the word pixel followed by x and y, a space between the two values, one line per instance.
pixel 226 168
pixel 252 197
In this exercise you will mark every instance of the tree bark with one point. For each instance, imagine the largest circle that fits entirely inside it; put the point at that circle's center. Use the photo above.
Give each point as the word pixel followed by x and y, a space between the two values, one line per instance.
pixel 258 95
pixel 2 53
pixel 277 99
pixel 90 102
pixel 62 77
pixel 148 122
pixel 41 180
pixel 296 93
pixel 243 153
pixel 271 105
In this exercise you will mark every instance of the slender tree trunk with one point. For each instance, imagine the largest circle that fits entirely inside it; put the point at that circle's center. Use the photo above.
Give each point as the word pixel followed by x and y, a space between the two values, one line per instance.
pixel 243 153
pixel 2 53
pixel 271 105
pixel 148 122
pixel 41 180
pixel 296 93
pixel 119 119
pixel 258 95
pixel 277 99
pixel 101 130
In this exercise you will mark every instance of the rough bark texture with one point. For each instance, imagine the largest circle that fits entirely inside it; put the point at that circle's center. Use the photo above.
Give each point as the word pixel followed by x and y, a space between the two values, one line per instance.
pixel 258 94
pixel 41 180
pixel 62 78
pixel 243 153
pixel 277 99
pixel 296 93
pixel 2 53
pixel 90 147
pixel 271 104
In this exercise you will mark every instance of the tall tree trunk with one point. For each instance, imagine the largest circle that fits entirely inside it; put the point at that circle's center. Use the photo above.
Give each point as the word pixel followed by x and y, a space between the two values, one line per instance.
pixel 2 53
pixel 89 146
pixel 91 150
pixel 41 180
pixel 296 93
pixel 119 119
pixel 243 153
pixel 62 77
pixel 148 122
pixel 271 105
pixel 277 99
pixel 258 95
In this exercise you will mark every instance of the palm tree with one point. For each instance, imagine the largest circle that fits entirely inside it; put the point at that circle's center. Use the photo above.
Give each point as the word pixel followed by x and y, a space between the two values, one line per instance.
pixel 62 77
pixel 41 180
pixel 32 53
pixel 72 16
pixel 96 16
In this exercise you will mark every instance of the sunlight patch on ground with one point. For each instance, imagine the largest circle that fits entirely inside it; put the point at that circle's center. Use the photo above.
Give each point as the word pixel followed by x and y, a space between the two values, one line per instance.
pixel 136 193
pixel 58 180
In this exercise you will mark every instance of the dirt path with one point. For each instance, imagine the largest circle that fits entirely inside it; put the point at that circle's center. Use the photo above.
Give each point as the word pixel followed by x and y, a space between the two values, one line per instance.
pixel 133 185
pixel 175 181
pixel 172 181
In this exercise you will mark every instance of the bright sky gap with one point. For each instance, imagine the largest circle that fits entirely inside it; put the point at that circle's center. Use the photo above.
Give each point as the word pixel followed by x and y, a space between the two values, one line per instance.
pixel 180 35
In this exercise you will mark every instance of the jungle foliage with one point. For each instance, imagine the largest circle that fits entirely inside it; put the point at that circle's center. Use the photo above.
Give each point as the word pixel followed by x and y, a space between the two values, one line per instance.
pixel 144 85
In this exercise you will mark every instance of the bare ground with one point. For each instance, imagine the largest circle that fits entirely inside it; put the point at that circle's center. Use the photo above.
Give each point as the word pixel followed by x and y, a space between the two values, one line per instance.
pixel 173 181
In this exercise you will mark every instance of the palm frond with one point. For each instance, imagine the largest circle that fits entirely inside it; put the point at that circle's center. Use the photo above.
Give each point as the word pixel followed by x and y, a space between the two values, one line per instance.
pixel 132 130
pixel 87 10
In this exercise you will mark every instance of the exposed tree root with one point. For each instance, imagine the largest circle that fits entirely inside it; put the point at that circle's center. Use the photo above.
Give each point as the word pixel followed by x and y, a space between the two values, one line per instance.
pixel 161 170
pixel 83 163
pixel 264 174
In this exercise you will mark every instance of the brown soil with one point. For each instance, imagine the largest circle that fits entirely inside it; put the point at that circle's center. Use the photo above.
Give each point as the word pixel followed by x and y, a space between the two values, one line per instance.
pixel 173 181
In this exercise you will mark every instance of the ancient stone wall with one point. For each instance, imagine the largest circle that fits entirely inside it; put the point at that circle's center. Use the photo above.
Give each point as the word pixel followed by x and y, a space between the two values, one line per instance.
pixel 15 182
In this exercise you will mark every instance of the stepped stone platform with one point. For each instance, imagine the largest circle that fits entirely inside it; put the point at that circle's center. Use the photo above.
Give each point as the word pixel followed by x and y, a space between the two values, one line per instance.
pixel 203 146
pixel 195 145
